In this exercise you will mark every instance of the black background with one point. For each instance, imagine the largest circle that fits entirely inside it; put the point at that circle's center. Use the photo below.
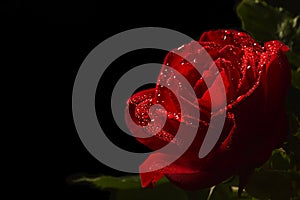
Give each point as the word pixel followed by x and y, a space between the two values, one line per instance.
pixel 52 39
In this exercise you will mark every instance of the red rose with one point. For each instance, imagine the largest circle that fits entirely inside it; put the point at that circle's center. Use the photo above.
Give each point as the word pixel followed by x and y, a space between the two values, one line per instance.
pixel 256 79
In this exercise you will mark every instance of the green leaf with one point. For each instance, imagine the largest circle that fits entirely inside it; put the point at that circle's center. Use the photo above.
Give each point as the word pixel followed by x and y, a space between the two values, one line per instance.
pixel 198 195
pixel 222 192
pixel 109 182
pixel 290 5
pixel 228 190
pixel 296 78
pixel 292 103
pixel 260 19
pixel 288 31
pixel 280 160
pixel 270 184
pixel 162 192
pixel 294 148
pixel 129 187
pixel 267 23
pixel 233 181
pixel 293 58
pixel 294 124
pixel 293 140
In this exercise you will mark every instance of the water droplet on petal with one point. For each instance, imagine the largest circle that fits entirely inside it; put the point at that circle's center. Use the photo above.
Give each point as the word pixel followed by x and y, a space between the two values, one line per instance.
pixel 239 98
pixel 179 48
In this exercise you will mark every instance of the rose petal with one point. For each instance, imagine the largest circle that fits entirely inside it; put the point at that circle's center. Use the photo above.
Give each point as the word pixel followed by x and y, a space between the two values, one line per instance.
pixel 256 81
pixel 278 75
pixel 227 37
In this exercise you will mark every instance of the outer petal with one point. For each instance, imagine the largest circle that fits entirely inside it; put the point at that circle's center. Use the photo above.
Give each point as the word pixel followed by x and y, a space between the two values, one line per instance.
pixel 227 37
pixel 278 76
pixel 190 172
pixel 154 142
pixel 183 173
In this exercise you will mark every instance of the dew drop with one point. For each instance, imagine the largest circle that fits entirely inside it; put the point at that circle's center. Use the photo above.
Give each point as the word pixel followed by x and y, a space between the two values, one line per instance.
pixel 179 48
pixel 239 98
